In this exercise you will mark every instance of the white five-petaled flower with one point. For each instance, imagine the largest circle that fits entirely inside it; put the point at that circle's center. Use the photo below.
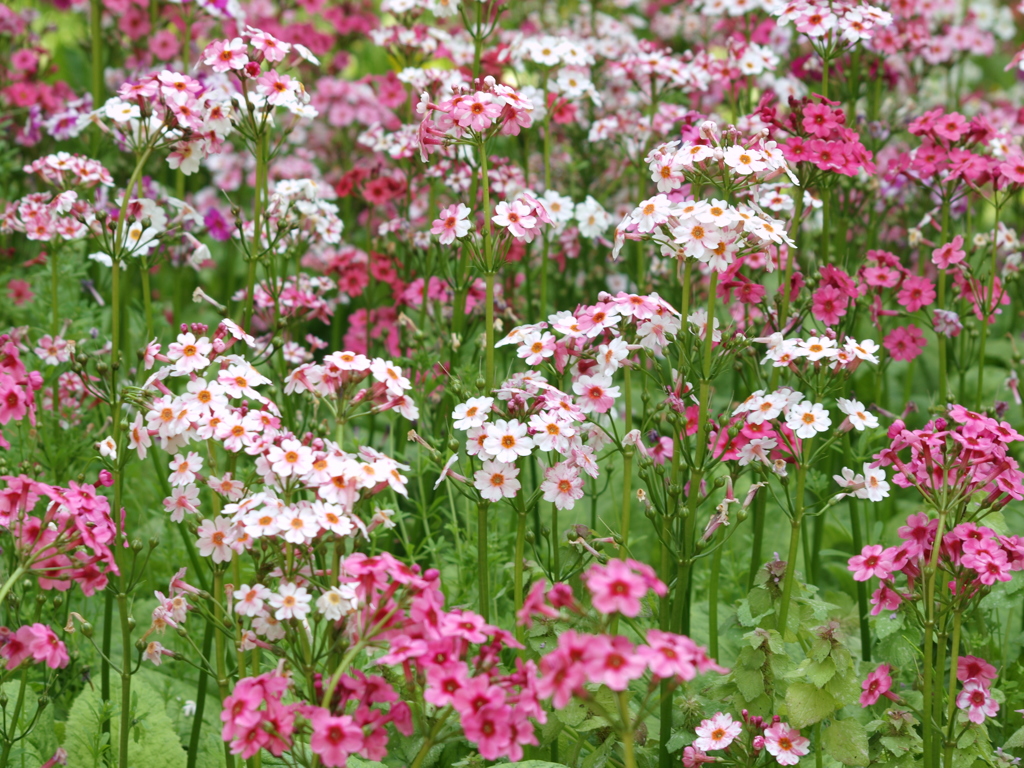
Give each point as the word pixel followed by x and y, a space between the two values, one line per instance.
pixel 496 481
pixel 807 419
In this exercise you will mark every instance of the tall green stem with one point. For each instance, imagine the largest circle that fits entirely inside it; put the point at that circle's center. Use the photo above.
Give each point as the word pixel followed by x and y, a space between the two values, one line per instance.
pixel 928 732
pixel 257 224
pixel 954 660
pixel 197 717
pixel 489 330
pixel 794 539
pixel 943 387
pixel 716 569
pixel 482 560
pixel 96 35
pixel 627 467
pixel 218 636
pixel 989 299
pixel 517 566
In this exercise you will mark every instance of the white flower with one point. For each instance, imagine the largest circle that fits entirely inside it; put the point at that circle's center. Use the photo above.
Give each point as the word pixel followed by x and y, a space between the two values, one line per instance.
pixel 507 440
pixel 337 602
pixel 496 481
pixel 699 320
pixel 249 600
pixel 107 448
pixel 857 414
pixel 290 602
pixel 875 486
pixel 808 419
pixel 757 450
pixel 817 348
pixel 766 407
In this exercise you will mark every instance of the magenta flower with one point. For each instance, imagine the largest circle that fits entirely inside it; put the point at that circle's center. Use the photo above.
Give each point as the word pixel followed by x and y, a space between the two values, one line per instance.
pixel 876 685
pixel 334 738
pixel 905 342
pixel 619 586
pixel 874 560
pixel 915 293
pixel 949 254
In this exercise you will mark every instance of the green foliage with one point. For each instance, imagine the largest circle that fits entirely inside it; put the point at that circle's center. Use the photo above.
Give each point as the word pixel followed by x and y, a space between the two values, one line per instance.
pixel 846 741
pixel 153 742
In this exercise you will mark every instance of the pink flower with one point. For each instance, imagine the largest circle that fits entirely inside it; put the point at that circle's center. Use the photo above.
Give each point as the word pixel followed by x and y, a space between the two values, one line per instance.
pixel 950 253
pixel 618 586
pixel 216 538
pixel 972 668
pixel 694 757
pixel 873 560
pixel 819 120
pixel 885 598
pixel 978 702
pixel 225 55
pixel 37 641
pixel 490 729
pixel 905 342
pixel 877 684
pixel 613 661
pixel 595 393
pixel 19 292
pixel 477 112
pixel 334 738
pixel 915 293
pixel 562 485
pixel 452 223
pixel 785 744
pixel 717 733
pixel 517 217
pixel 951 127
pixel 14 400
pixel 829 304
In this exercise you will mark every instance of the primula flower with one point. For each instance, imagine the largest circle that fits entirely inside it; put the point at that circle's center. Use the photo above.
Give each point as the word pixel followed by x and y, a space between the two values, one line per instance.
pixel 905 342
pixel 453 222
pixel 717 733
pixel 949 254
pixel 873 561
pixel 517 217
pixel 785 744
pixel 618 586
pixel 876 685
pixel 807 419
pixel 976 699
pixel 496 481
pixel 290 602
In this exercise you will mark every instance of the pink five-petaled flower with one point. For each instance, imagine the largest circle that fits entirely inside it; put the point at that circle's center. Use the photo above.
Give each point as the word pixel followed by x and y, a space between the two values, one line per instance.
pixel 717 733
pixel 334 738
pixel 613 661
pixel 877 684
pixel 915 293
pixel 452 222
pixel 189 353
pixel 872 561
pixel 950 253
pixel 618 586
pixel 496 481
pixel 972 668
pixel 785 744
pixel 224 55
pixel 905 342
pixel 37 641
pixel 978 702
pixel 516 216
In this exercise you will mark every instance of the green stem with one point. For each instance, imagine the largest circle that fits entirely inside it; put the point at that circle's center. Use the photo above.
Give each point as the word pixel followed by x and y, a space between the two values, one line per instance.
pixel 126 679
pixel 794 539
pixel 218 636
pixel 482 560
pixel 627 467
pixel 54 303
pixel 989 298
pixel 757 522
pixel 197 717
pixel 257 217
pixel 943 386
pixel 954 660
pixel 928 732
pixel 489 331
pixel 16 716
pixel 147 298
pixel 716 568
pixel 17 574
pixel 517 567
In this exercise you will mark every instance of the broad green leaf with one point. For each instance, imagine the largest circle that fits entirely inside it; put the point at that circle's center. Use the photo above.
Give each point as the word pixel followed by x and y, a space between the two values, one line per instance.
pixel 572 714
pixel 1016 740
pixel 821 672
pixel 807 704
pixel 527 764
pixel 846 741
pixel 750 683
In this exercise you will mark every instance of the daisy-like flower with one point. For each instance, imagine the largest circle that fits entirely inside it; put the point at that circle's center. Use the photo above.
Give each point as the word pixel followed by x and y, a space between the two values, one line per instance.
pixel 757 449
pixel 182 500
pixel 807 419
pixel 184 469
pixel 472 413
pixel 857 414
pixel 875 486
pixel 225 55
pixel 744 161
pixel 496 481
pixel 506 441
pixel 552 432
pixel 189 353
pixel 717 733
pixel 298 524
pixel 290 602
pixel 453 222
pixel 107 448
pixel 536 347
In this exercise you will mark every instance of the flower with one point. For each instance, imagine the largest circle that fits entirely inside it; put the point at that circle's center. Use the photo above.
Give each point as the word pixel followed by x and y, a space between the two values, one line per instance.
pixel 216 538
pixel 290 602
pixel 785 744
pixel 619 586
pixel 873 561
pixel 808 419
pixel 334 738
pixel 562 485
pixel 517 217
pixel 506 441
pixel 857 414
pixel 978 702
pixel 877 684
pixel 453 222
pixel 717 733
pixel 496 481
pixel 905 342
pixel 949 254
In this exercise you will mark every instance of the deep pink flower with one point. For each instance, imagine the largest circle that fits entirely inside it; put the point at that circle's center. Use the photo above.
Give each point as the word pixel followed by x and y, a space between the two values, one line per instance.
pixel 972 668
pixel 950 253
pixel 877 684
pixel 916 292
pixel 874 560
pixel 334 738
pixel 829 305
pixel 613 661
pixel 618 586
pixel 905 342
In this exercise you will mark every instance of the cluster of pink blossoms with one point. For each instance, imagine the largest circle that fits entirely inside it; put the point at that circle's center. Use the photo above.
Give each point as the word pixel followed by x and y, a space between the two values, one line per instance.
pixel 37 642
pixel 17 387
pixel 69 543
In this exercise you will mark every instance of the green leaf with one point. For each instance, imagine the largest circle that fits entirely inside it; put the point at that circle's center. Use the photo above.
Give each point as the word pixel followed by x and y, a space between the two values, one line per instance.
pixel 750 683
pixel 1016 740
pixel 846 741
pixel 821 672
pixel 760 602
pixel 358 762
pixel 156 745
pixel 572 714
pixel 524 764
pixel 807 704
pixel 599 757
pixel 820 650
